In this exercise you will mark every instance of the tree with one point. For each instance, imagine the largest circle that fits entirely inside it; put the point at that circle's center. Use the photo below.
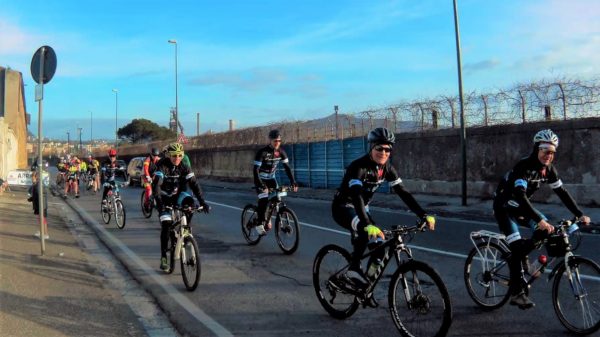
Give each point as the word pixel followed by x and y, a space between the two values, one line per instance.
pixel 143 130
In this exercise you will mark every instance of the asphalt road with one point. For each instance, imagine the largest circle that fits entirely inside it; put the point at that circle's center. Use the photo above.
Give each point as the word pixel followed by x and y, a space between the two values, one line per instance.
pixel 258 291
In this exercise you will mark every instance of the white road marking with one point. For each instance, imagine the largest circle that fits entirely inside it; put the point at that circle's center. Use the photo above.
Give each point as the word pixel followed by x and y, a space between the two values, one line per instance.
pixel 183 301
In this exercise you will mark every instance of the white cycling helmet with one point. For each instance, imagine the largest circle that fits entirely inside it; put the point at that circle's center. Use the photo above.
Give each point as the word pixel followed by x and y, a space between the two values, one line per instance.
pixel 546 136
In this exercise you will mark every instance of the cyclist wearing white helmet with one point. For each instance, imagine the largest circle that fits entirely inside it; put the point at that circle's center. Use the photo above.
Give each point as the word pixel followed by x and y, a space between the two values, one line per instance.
pixel 512 207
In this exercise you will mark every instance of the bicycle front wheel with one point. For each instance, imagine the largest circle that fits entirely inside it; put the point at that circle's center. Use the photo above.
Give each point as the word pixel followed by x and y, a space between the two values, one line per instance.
pixel 487 275
pixel 249 217
pixel 190 262
pixel 576 295
pixel 287 231
pixel 105 211
pixel 330 264
pixel 419 301
pixel 120 215
pixel 146 211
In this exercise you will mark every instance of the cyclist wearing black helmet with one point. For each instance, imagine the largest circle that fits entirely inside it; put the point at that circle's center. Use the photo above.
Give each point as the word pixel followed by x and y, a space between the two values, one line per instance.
pixel 171 180
pixel 512 207
pixel 265 166
pixel 149 168
pixel 350 206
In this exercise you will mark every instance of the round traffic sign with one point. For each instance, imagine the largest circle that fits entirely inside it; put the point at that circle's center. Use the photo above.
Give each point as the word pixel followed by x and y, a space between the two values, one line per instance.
pixel 44 61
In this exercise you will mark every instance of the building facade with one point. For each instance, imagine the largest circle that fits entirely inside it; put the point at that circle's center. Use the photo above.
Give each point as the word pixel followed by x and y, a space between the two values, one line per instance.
pixel 13 122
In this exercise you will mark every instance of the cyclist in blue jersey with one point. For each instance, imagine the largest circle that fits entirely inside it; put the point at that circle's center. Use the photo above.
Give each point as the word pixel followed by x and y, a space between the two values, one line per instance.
pixel 265 166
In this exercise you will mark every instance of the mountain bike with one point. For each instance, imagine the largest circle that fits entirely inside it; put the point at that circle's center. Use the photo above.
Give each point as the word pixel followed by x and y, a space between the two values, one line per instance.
pixel 183 246
pixel 576 285
pixel 147 211
pixel 114 206
pixel 287 231
pixel 418 299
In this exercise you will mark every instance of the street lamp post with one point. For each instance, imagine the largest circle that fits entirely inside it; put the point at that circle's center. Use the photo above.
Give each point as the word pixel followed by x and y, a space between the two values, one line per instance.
pixel 116 112
pixel 463 133
pixel 80 151
pixel 176 98
pixel 68 140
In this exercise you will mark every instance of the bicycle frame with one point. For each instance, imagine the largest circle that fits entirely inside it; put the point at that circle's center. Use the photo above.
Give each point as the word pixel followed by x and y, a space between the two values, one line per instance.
pixel 180 230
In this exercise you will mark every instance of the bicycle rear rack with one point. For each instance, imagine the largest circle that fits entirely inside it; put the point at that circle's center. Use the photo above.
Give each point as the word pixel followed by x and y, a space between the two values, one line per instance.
pixel 487 237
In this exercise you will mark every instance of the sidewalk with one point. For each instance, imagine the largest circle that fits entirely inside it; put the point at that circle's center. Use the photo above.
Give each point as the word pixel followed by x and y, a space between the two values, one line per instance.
pixel 444 206
pixel 59 293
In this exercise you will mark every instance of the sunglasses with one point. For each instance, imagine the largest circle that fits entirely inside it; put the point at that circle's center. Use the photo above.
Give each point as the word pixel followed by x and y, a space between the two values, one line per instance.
pixel 382 149
pixel 112 156
pixel 547 152
pixel 276 140
pixel 176 156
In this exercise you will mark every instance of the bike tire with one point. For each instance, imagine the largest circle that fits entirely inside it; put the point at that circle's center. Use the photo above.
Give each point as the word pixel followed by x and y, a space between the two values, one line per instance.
pixel 287 231
pixel 488 282
pixel 248 216
pixel 147 212
pixel 578 312
pixel 330 262
pixel 190 263
pixel 120 214
pixel 428 311
pixel 105 212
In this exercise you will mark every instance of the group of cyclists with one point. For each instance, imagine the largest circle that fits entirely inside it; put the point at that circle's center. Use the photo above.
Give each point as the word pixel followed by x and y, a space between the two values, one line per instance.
pixel 72 171
pixel 166 179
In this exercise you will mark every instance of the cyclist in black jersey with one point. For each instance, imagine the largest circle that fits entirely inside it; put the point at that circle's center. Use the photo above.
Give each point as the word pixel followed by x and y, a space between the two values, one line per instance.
pixel 170 182
pixel 512 207
pixel 265 166
pixel 350 206
pixel 108 170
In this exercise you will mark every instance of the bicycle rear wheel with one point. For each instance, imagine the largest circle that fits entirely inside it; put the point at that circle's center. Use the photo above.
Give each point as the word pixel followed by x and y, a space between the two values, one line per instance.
pixel 419 301
pixel 249 216
pixel 287 230
pixel 487 276
pixel 146 211
pixel 105 211
pixel 120 215
pixel 190 262
pixel 330 263
pixel 576 297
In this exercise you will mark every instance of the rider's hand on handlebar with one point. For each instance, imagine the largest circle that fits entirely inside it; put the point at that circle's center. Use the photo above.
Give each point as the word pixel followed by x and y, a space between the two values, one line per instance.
pixel 294 187
pixel 428 220
pixel 205 207
pixel 373 232
pixel 584 219
pixel 545 226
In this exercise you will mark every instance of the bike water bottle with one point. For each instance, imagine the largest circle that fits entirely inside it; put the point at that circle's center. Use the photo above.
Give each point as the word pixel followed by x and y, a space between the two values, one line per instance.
pixel 537 268
pixel 375 261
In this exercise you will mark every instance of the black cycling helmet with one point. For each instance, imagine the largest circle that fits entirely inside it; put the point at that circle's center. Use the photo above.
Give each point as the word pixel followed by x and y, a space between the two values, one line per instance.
pixel 274 134
pixel 155 151
pixel 381 136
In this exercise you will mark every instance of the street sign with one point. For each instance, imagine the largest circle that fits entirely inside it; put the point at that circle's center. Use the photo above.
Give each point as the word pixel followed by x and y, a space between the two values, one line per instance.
pixel 48 65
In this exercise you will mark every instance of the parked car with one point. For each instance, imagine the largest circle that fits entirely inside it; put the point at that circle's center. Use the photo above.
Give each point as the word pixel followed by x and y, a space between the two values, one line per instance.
pixel 135 170
pixel 122 168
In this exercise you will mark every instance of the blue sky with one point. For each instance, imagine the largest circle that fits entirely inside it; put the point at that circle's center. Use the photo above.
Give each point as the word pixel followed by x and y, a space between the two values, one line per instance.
pixel 264 61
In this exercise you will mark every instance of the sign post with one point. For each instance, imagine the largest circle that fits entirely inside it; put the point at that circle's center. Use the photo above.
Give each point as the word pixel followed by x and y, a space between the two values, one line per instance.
pixel 43 67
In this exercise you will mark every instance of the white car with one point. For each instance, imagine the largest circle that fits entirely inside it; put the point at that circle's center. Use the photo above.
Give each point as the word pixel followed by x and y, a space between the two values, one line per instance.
pixel 22 178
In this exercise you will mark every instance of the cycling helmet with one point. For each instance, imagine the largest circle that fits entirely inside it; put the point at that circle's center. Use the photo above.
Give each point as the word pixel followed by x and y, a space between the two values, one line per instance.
pixel 546 136
pixel 381 136
pixel 112 153
pixel 175 149
pixel 274 134
pixel 155 152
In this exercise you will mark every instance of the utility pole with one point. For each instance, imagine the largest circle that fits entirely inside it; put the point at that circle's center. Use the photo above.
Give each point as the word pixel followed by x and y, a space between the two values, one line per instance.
pixel 68 140
pixel 197 124
pixel 337 122
pixel 80 152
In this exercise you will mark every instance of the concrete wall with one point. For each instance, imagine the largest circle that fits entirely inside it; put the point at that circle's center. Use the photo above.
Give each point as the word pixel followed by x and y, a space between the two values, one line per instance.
pixel 12 109
pixel 430 162
pixel 8 149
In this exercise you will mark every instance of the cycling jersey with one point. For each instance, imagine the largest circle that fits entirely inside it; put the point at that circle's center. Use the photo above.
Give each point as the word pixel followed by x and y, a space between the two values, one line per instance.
pixel 150 165
pixel 109 170
pixel 265 164
pixel 93 166
pixel 519 184
pixel 362 178
pixel 169 180
pixel 83 166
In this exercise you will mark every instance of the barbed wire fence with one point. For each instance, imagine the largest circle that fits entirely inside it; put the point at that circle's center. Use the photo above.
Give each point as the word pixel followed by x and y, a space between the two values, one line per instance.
pixel 559 99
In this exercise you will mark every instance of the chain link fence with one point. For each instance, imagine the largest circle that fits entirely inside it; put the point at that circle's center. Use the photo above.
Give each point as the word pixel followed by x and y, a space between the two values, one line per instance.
pixel 523 103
